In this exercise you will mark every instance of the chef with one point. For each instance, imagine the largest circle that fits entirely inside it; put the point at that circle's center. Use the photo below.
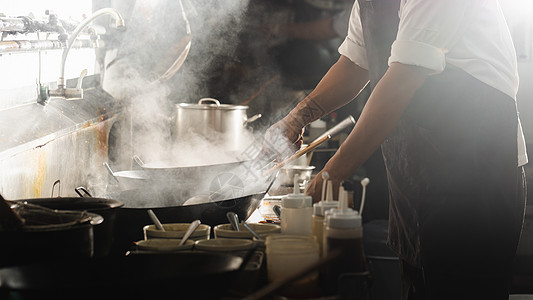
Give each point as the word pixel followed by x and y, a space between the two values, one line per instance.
pixel 444 79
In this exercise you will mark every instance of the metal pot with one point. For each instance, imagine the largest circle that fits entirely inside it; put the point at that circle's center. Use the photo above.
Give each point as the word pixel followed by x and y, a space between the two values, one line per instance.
pixel 46 235
pixel 219 123
pixel 107 208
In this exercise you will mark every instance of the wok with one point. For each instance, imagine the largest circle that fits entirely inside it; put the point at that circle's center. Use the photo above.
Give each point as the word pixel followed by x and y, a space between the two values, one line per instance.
pixel 167 171
pixel 130 220
pixel 195 275
pixel 167 205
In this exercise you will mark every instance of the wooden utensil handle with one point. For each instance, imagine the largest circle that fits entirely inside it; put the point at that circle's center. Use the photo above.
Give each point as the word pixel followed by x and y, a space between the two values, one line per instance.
pixel 303 151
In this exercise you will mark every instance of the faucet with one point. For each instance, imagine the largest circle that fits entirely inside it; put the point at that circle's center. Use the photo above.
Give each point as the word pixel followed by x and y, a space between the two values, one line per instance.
pixel 77 92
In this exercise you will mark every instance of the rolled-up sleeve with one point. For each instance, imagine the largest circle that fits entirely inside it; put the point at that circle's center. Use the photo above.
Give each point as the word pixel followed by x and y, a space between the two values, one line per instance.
pixel 353 46
pixel 427 31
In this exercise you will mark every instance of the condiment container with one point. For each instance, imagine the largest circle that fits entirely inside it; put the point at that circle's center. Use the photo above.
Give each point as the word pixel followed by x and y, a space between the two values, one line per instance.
pixel 296 212
pixel 289 254
pixel 344 233
pixel 226 231
pixel 319 210
pixel 176 231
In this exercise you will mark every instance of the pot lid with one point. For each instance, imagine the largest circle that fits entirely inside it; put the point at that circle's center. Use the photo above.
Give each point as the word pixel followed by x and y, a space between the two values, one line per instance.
pixel 211 103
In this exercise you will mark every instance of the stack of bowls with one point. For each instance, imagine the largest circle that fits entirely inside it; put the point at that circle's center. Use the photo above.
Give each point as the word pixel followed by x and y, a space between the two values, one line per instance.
pixel 169 240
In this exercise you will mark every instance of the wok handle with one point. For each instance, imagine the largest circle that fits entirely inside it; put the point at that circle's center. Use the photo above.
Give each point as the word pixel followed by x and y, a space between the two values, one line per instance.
pixel 110 171
pixel 81 189
pixel 138 160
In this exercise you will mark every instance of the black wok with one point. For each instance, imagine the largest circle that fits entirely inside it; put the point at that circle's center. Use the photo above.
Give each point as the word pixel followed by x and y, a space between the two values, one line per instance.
pixel 167 202
pixel 130 220
pixel 194 275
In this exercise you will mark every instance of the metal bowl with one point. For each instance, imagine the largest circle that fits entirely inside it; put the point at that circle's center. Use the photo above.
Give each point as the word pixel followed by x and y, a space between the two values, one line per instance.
pixel 286 175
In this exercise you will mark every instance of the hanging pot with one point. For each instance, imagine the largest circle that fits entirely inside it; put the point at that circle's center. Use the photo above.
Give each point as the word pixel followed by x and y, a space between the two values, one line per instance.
pixel 219 123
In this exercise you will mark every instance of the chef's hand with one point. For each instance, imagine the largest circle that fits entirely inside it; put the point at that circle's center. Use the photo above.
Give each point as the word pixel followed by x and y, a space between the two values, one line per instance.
pixel 314 189
pixel 282 139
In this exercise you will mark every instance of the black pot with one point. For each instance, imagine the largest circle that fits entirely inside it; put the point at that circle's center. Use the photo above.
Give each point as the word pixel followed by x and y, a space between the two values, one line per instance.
pixel 104 233
pixel 180 275
pixel 66 234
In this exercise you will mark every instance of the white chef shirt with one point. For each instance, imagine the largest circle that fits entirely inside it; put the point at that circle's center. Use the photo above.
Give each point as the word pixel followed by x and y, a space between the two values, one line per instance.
pixel 469 34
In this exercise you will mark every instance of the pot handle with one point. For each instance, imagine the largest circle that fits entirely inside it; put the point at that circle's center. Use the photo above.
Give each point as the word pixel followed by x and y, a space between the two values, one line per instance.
pixel 213 100
pixel 81 189
pixel 251 119
pixel 138 160
pixel 58 184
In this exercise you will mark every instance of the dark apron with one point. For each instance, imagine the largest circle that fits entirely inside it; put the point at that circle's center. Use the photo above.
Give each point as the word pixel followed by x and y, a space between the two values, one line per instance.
pixel 451 164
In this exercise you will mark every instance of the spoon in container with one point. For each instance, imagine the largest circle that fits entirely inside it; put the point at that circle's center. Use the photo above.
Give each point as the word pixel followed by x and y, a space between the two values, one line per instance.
pixel 254 233
pixel 189 231
pixel 233 219
pixel 156 221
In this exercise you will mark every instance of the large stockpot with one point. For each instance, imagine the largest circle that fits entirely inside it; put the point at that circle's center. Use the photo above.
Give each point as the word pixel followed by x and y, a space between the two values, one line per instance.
pixel 219 123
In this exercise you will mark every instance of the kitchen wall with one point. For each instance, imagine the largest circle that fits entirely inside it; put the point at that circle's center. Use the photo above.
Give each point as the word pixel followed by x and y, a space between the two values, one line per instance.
pixel 65 140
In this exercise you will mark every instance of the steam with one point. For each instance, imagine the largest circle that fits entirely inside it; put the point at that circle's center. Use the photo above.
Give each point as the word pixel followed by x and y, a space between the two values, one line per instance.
pixel 151 104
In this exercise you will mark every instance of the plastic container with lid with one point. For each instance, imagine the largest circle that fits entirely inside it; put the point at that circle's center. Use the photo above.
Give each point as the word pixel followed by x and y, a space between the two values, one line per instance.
pixel 319 210
pixel 287 255
pixel 344 233
pixel 296 212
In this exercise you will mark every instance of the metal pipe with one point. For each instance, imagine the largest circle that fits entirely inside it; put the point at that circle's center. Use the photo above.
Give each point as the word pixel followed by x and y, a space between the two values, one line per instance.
pixel 13 24
pixel 104 11
pixel 17 46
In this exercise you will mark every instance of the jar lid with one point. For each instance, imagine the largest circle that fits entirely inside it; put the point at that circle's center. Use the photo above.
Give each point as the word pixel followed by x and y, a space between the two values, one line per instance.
pixel 296 201
pixel 344 218
pixel 320 208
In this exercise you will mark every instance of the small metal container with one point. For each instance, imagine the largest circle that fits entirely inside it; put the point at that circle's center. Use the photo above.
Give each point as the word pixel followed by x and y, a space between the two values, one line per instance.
pixel 286 175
